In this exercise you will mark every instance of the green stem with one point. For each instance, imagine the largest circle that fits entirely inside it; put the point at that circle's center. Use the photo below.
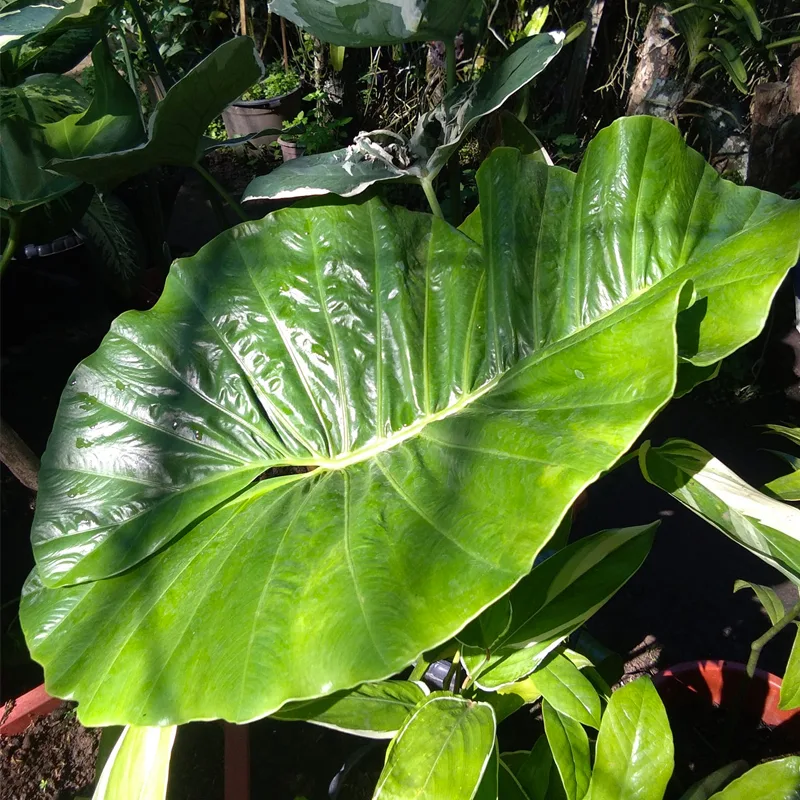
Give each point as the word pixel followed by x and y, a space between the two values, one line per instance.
pixel 453 167
pixel 759 644
pixel 213 182
pixel 126 57
pixel 150 42
pixel 11 244
pixel 448 679
pixel 427 187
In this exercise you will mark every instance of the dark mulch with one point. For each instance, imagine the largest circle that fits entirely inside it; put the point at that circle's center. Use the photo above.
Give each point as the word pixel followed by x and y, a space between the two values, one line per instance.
pixel 54 759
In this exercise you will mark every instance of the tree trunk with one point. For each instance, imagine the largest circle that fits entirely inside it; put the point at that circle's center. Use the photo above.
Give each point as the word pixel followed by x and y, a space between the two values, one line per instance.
pixel 658 88
pixel 581 58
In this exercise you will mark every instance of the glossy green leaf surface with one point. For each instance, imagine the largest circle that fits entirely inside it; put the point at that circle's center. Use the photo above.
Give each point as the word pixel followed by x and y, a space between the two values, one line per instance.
pixel 138 766
pixel 375 710
pixel 787 487
pixel 569 745
pixel 790 688
pixel 371 23
pixel 634 756
pixel 436 384
pixel 766 596
pixel 43 98
pixel 25 20
pixel 111 122
pixel 179 122
pixel 774 780
pixel 351 170
pixel 706 787
pixel 768 528
pixel 440 753
pixel 556 598
pixel 568 691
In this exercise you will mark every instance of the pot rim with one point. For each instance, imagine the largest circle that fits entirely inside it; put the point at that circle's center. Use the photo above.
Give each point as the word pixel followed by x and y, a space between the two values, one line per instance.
pixel 267 102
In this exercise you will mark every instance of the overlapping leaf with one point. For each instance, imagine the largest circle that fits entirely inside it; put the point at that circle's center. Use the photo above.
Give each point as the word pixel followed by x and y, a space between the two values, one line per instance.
pixel 351 170
pixel 371 23
pixel 768 528
pixel 452 395
pixel 774 780
pixel 177 126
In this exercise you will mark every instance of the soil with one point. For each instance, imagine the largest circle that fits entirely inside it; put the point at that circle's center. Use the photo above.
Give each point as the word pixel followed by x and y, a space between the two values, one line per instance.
pixel 54 759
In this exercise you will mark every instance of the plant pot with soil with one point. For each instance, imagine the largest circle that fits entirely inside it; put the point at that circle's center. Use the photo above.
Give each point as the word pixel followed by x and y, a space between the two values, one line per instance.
pixel 267 105
pixel 290 148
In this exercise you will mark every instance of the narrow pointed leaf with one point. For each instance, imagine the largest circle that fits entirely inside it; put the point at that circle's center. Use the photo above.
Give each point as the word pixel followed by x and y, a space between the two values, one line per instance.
pixel 138 767
pixel 790 688
pixel 377 22
pixel 441 751
pixel 775 780
pixel 707 786
pixel 634 758
pixel 558 596
pixel 768 528
pixel 464 107
pixel 792 434
pixel 375 710
pixel 766 596
pixel 177 126
pixel 568 691
pixel 410 367
pixel 569 745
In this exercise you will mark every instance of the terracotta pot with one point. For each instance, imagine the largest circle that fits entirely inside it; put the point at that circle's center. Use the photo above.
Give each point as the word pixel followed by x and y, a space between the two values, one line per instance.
pixel 36 703
pixel 724 683
pixel 251 116
pixel 290 150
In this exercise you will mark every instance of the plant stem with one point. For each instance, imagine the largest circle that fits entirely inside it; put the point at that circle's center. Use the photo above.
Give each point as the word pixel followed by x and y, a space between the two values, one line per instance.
pixel 215 184
pixel 18 457
pixel 427 187
pixel 452 672
pixel 759 644
pixel 126 56
pixel 11 244
pixel 150 42
pixel 453 167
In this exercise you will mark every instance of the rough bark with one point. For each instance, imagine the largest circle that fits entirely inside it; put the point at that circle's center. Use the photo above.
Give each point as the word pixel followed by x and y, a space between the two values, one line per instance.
pixel 658 85
pixel 775 134
pixel 581 58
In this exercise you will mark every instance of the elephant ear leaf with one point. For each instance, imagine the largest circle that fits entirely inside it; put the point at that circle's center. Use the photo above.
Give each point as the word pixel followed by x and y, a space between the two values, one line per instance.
pixel 111 122
pixel 443 750
pixel 378 22
pixel 179 122
pixel 294 444
pixel 767 527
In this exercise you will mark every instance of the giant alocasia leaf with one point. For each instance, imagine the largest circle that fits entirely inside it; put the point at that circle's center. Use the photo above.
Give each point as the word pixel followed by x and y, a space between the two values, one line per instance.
pixel 767 527
pixel 453 396
pixel 177 126
pixel 371 23
pixel 351 170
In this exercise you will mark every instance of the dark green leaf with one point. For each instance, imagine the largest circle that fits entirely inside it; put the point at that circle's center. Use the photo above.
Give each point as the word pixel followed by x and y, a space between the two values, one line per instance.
pixel 768 528
pixel 536 771
pixel 487 629
pixel 371 23
pixel 441 751
pixel 775 780
pixel 43 98
pixel 177 127
pixel 375 710
pixel 634 757
pixel 569 745
pixel 115 244
pixel 508 787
